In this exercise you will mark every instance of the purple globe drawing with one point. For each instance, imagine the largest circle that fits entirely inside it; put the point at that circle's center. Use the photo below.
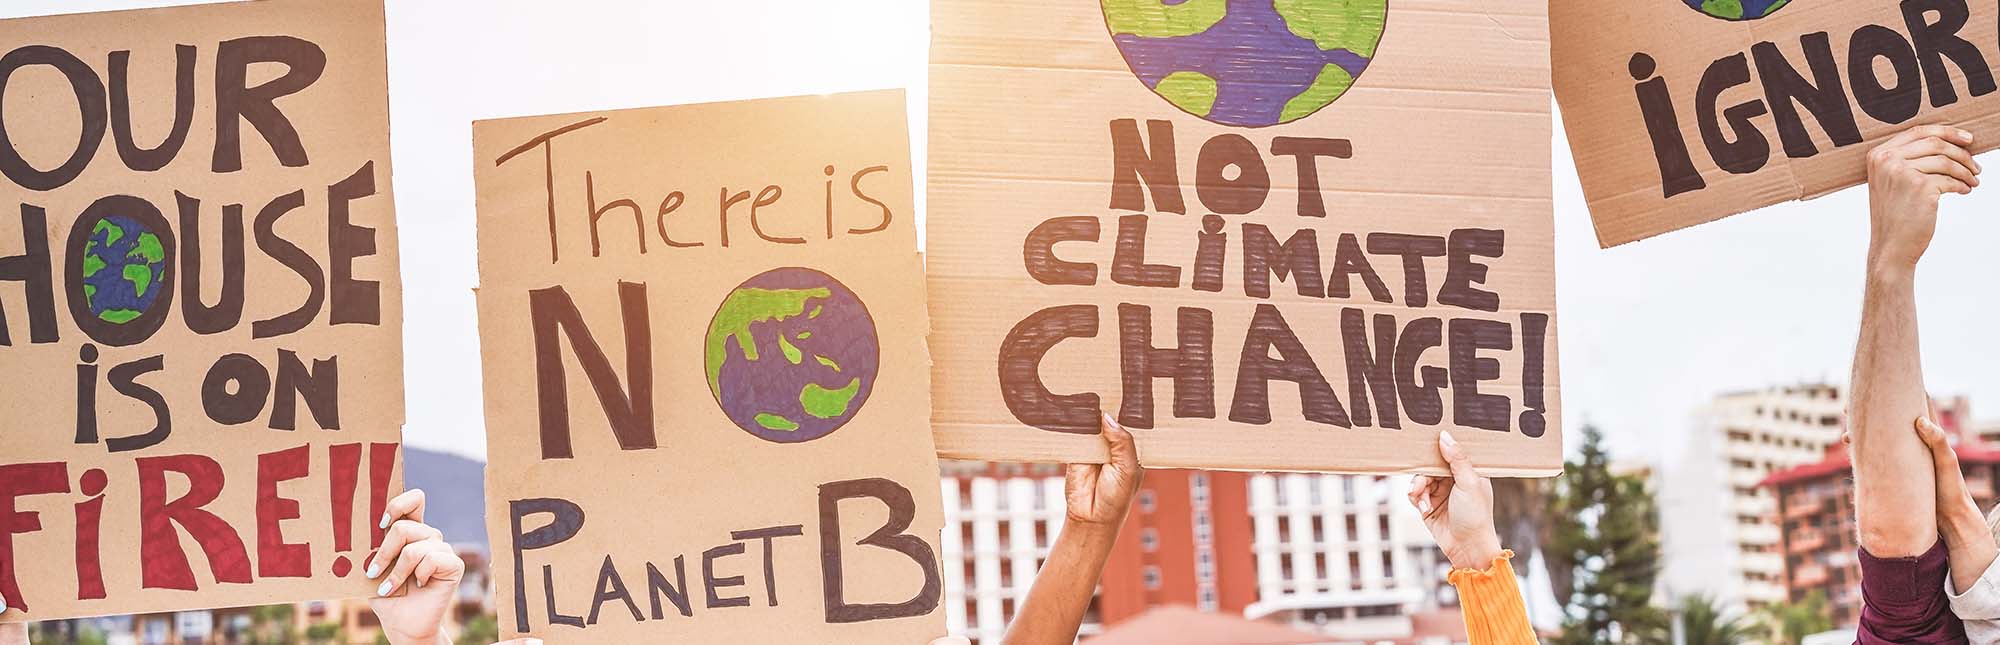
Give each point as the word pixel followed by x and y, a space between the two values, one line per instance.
pixel 1737 9
pixel 791 355
pixel 1247 63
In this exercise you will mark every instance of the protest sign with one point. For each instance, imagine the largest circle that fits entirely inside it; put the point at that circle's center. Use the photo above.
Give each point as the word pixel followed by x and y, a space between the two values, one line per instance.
pixel 200 315
pixel 1206 218
pixel 706 387
pixel 1681 112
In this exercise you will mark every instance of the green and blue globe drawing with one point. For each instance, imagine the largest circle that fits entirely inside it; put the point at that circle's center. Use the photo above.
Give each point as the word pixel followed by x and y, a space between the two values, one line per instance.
pixel 791 355
pixel 1247 63
pixel 1737 9
pixel 123 264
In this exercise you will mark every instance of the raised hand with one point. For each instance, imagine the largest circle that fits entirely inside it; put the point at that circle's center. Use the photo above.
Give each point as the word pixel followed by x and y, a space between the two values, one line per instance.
pixel 1906 176
pixel 1458 509
pixel 1102 493
pixel 419 574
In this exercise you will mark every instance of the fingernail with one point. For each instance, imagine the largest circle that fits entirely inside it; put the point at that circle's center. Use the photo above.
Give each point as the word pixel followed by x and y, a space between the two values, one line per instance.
pixel 384 589
pixel 3 605
pixel 1444 437
pixel 1424 506
pixel 384 524
pixel 1107 418
pixel 374 570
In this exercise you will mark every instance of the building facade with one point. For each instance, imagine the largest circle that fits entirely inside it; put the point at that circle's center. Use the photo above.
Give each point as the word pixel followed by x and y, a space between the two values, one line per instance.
pixel 1816 515
pixel 1720 535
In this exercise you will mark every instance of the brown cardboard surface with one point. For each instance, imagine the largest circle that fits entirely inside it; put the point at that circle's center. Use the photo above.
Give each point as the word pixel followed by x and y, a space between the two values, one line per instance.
pixel 1442 140
pixel 235 442
pixel 1610 54
pixel 774 239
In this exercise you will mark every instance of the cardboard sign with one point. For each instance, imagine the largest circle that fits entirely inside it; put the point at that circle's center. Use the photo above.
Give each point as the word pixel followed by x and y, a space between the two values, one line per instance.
pixel 1682 112
pixel 706 385
pixel 1267 235
pixel 200 316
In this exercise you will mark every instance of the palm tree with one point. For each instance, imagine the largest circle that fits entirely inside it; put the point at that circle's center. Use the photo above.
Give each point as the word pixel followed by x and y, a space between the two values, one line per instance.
pixel 1792 622
pixel 1702 623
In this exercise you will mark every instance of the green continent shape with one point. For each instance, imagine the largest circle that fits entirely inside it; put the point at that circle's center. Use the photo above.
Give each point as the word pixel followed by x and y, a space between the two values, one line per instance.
pixel 89 292
pixel 1353 25
pixel 827 362
pixel 1775 6
pixel 149 248
pixel 827 404
pixel 776 422
pixel 1156 19
pixel 141 277
pixel 112 232
pixel 742 308
pixel 118 316
pixel 1731 9
pixel 91 263
pixel 792 353
pixel 1333 81
pixel 1191 91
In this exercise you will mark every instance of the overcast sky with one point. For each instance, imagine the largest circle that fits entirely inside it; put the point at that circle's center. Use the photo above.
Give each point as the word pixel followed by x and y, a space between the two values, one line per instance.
pixel 1649 331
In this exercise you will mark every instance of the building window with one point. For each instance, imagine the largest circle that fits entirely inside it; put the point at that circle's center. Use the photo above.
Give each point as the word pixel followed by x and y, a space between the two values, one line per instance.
pixel 1146 500
pixel 1151 576
pixel 1149 539
pixel 1208 599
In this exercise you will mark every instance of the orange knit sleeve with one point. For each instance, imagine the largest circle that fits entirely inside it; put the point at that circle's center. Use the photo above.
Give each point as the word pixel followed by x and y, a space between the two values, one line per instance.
pixel 1495 613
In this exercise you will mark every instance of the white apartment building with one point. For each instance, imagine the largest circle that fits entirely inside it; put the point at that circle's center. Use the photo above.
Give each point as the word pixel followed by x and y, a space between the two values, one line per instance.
pixel 1719 529
pixel 1344 555
pixel 997 532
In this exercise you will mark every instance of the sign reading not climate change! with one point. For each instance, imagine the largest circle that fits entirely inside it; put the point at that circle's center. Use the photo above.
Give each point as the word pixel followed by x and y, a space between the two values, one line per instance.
pixel 199 309
pixel 1266 235
pixel 706 387
pixel 1681 112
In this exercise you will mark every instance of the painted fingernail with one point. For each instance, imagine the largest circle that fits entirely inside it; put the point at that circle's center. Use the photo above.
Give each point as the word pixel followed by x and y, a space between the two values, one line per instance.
pixel 1444 437
pixel 385 522
pixel 374 570
pixel 3 605
pixel 384 589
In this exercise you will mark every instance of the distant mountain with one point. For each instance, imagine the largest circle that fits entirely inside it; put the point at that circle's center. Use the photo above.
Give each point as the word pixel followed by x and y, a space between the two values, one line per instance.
pixel 454 493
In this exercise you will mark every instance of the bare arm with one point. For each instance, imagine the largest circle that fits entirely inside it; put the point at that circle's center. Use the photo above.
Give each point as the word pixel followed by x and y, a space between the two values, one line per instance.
pixel 1895 497
pixel 13 634
pixel 1970 541
pixel 1099 496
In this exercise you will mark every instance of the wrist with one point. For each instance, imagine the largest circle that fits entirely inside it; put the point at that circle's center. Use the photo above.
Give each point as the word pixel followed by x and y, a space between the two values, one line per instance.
pixel 1888 270
pixel 1477 553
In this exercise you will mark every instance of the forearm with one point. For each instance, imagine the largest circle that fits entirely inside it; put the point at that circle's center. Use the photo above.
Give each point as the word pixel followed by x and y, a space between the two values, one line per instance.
pixel 13 634
pixel 1970 544
pixel 1895 497
pixel 1061 594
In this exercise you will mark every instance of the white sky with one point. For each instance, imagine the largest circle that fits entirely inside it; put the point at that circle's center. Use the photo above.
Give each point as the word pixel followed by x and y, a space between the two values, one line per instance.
pixel 1649 331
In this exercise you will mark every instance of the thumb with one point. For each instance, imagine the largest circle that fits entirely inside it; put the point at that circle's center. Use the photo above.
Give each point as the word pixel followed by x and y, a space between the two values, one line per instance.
pixel 1455 458
pixel 1124 452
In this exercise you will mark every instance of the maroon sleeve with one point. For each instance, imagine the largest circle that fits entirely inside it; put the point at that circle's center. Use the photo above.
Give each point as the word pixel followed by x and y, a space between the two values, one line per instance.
pixel 1903 601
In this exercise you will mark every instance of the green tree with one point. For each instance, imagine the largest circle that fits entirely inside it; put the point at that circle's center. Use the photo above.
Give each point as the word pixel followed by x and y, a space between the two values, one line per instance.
pixel 272 625
pixel 1605 540
pixel 1703 623
pixel 323 633
pixel 481 630
pixel 1792 622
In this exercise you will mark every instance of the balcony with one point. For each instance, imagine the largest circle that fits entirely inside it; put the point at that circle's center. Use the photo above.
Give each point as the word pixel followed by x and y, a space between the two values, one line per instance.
pixel 1810 575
